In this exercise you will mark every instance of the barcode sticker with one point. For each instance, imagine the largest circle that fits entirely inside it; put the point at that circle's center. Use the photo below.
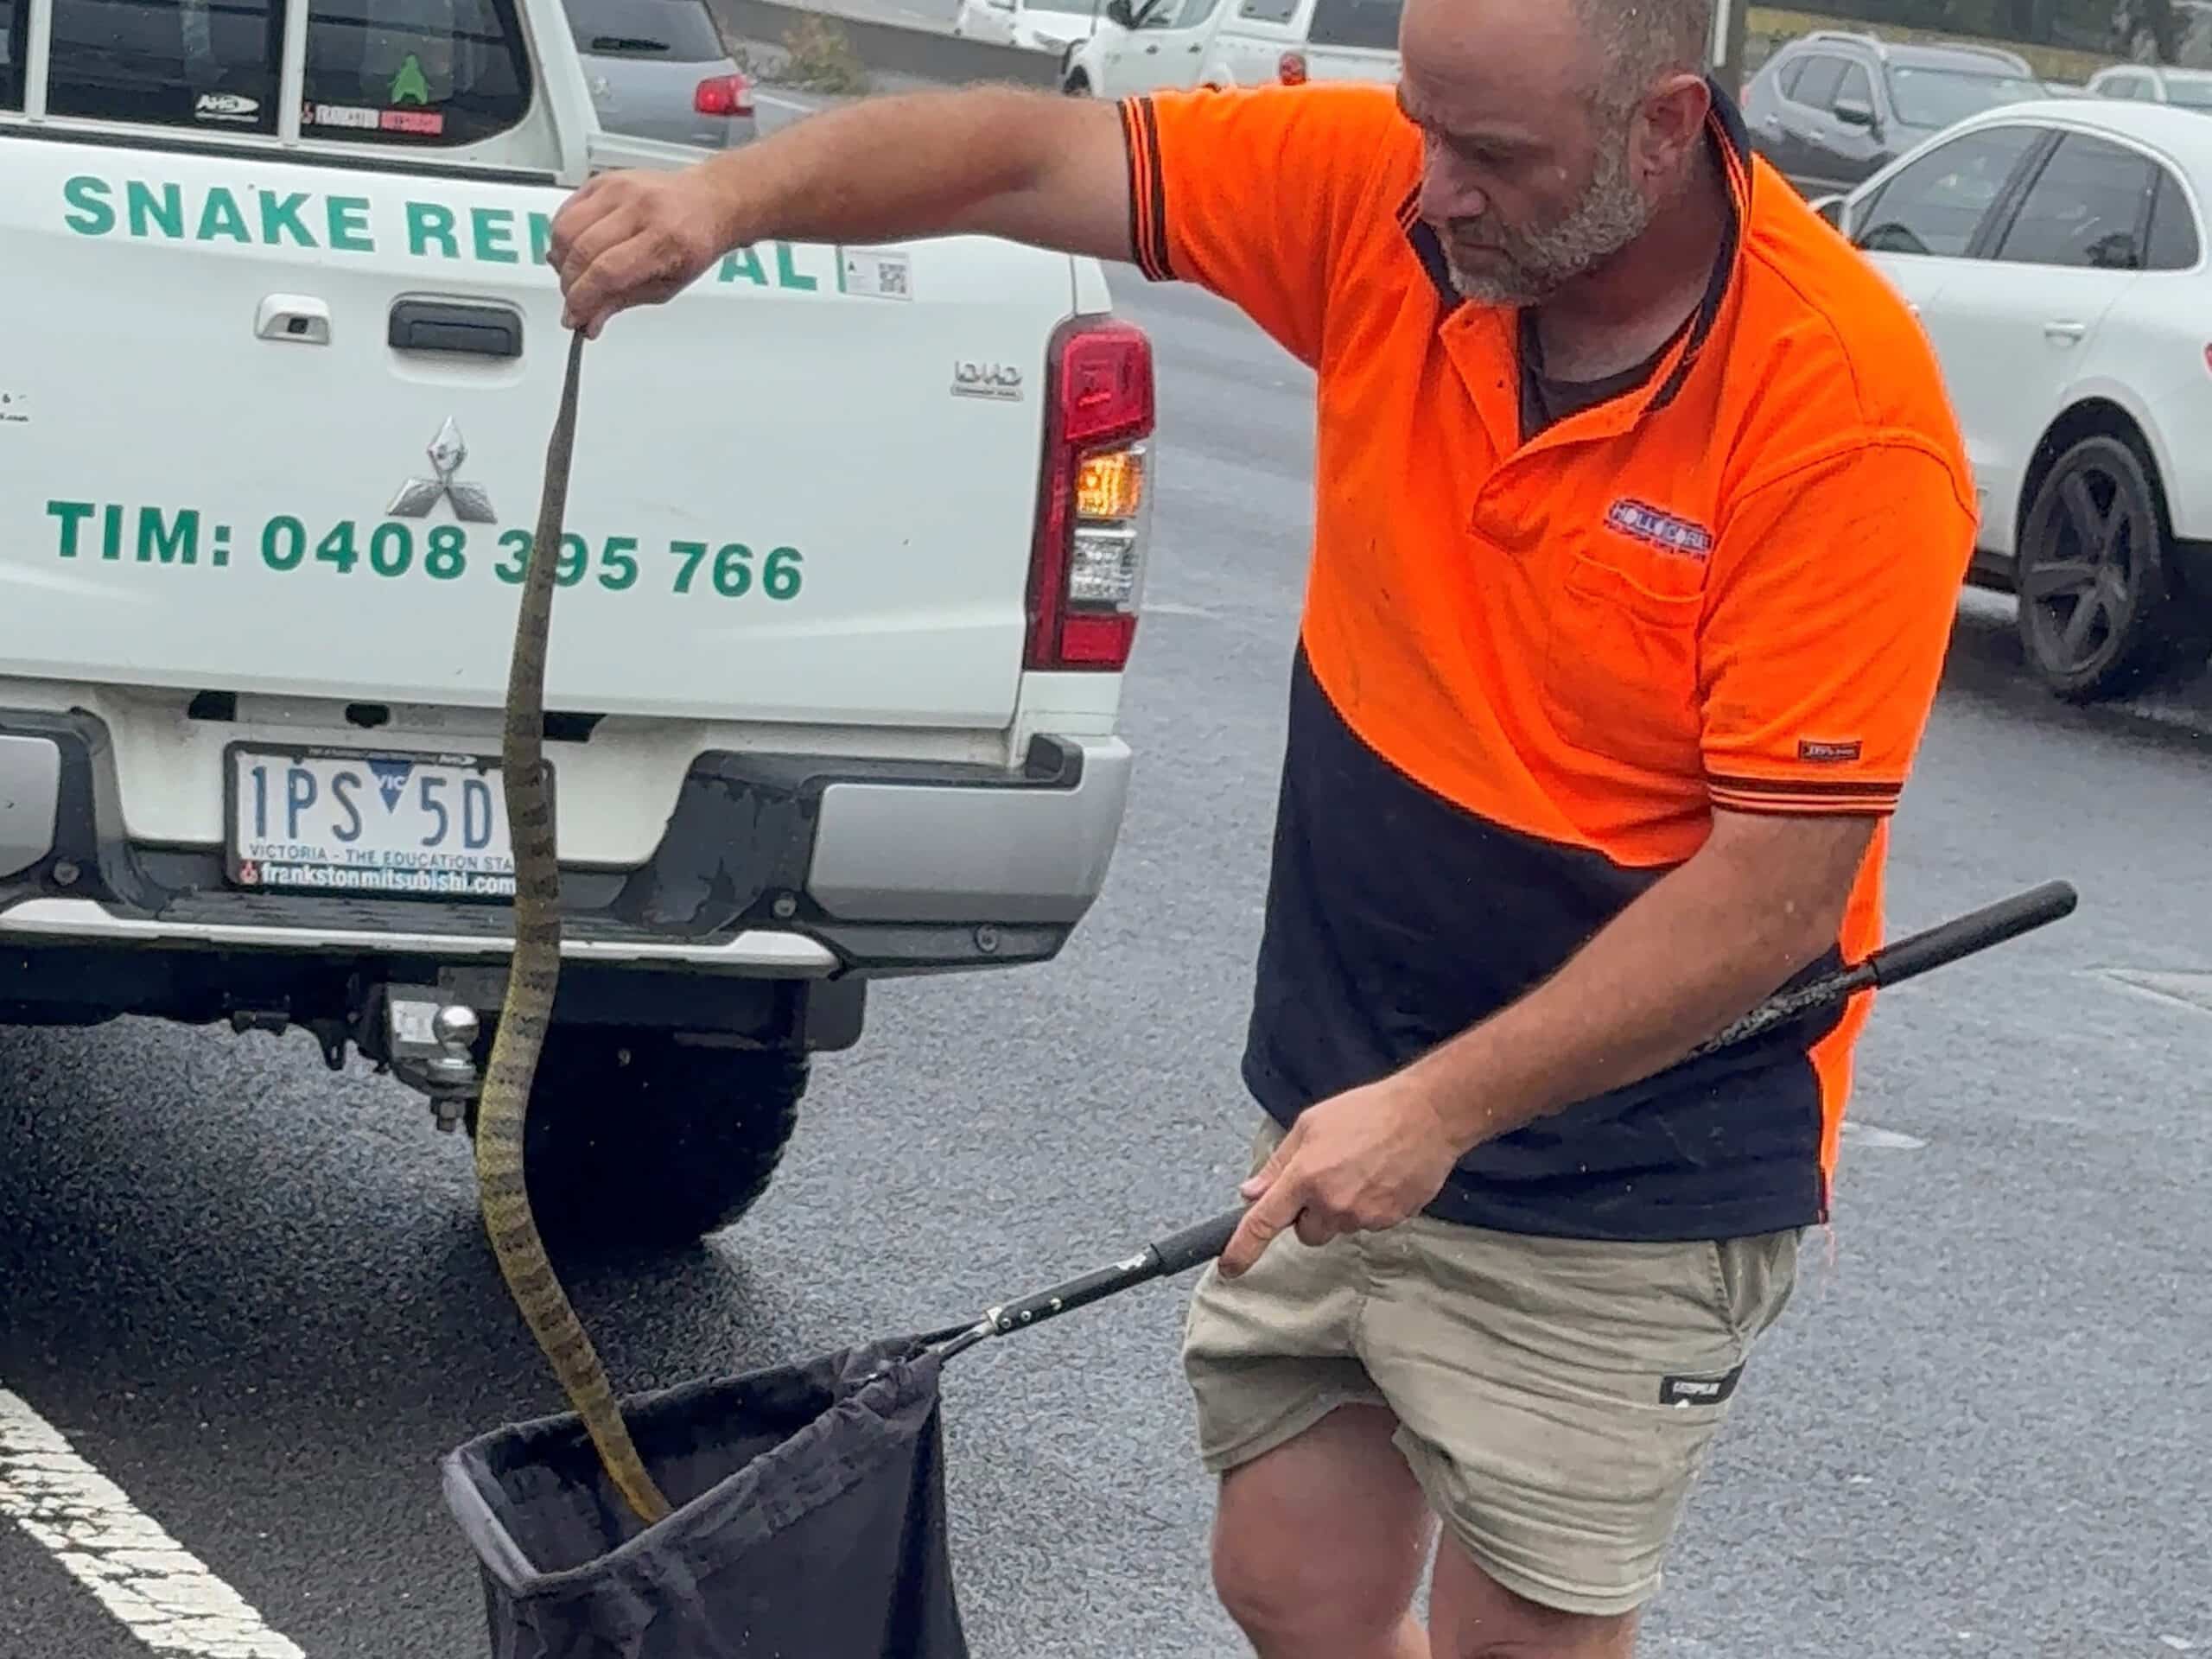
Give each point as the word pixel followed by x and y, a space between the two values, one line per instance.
pixel 878 273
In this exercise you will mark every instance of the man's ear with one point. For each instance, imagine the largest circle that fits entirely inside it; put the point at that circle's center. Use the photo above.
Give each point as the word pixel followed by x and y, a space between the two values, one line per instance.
pixel 1670 124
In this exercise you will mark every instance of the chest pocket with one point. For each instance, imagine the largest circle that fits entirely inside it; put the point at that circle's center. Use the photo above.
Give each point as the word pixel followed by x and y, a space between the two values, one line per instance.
pixel 1620 657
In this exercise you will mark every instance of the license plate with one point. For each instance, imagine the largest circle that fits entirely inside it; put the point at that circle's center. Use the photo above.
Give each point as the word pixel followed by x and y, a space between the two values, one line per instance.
pixel 368 822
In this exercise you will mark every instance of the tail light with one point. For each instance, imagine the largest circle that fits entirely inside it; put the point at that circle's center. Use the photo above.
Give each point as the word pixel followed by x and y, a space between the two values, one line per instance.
pixel 1291 69
pixel 1094 511
pixel 723 95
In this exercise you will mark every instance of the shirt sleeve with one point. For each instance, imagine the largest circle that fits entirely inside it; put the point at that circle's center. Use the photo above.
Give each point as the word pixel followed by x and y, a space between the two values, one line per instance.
pixel 1829 610
pixel 1257 194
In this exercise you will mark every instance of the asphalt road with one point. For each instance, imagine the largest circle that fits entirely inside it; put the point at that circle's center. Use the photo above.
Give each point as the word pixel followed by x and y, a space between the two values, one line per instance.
pixel 254 1295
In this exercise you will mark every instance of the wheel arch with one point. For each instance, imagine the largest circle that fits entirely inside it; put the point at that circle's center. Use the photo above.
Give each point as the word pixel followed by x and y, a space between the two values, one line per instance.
pixel 2104 412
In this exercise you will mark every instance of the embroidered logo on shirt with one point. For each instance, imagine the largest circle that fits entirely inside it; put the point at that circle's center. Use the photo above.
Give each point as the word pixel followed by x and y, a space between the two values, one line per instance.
pixel 1662 528
pixel 1812 749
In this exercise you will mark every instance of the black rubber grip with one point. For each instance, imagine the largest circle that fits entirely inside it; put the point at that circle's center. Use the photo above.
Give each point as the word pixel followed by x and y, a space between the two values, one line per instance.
pixel 1976 931
pixel 1194 1246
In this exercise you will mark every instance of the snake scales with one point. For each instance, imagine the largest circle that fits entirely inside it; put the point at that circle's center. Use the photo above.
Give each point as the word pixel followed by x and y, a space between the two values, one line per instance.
pixel 526 1012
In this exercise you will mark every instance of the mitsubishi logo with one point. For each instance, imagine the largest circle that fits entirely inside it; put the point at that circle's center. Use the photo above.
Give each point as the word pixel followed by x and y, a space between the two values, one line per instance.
pixel 417 496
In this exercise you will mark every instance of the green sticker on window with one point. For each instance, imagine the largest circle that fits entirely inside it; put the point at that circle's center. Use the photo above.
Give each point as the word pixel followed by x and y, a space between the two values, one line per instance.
pixel 411 84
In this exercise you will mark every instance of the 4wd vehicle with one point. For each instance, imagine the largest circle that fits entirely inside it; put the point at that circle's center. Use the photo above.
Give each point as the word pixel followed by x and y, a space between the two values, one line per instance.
pixel 1832 105
pixel 856 542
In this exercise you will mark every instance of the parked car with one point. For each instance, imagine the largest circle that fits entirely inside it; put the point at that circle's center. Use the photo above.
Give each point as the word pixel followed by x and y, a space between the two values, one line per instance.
pixel 660 69
pixel 1832 106
pixel 2151 83
pixel 1147 44
pixel 1054 26
pixel 2055 254
pixel 836 664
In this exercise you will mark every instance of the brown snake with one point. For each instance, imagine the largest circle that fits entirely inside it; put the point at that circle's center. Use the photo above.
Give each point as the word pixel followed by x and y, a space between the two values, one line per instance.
pixel 535 972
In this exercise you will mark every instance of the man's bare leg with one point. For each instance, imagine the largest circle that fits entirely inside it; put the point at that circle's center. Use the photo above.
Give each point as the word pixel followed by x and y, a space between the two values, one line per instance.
pixel 1474 1617
pixel 1318 1545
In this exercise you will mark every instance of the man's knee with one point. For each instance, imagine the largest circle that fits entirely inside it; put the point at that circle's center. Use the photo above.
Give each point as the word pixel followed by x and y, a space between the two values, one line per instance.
pixel 1475 1617
pixel 1318 1545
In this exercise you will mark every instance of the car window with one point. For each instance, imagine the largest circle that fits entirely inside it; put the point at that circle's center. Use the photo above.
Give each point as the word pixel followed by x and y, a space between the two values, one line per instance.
pixel 1817 83
pixel 1937 98
pixel 414 71
pixel 1267 11
pixel 2121 87
pixel 1855 83
pixel 661 31
pixel 1366 25
pixel 11 74
pixel 207 64
pixel 1178 13
pixel 2173 243
pixel 1936 204
pixel 2190 92
pixel 2085 209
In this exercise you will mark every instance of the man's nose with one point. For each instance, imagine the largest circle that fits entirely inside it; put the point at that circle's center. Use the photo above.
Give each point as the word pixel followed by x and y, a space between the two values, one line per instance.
pixel 1446 193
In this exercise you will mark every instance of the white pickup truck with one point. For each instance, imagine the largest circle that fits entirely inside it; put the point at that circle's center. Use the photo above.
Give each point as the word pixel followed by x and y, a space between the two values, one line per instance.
pixel 857 541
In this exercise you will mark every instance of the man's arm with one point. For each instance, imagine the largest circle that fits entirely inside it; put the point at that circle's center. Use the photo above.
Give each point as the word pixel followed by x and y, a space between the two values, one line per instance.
pixel 1702 946
pixel 1761 900
pixel 1028 167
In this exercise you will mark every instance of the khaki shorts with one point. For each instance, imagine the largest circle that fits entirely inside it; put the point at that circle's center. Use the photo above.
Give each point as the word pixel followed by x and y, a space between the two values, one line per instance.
pixel 1555 1397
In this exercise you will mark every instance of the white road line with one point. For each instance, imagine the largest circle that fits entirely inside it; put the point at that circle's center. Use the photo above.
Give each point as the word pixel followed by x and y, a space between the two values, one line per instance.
pixel 145 1577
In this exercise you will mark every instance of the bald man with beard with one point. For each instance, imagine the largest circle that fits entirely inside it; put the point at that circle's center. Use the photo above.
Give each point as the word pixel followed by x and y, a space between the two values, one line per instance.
pixel 1640 520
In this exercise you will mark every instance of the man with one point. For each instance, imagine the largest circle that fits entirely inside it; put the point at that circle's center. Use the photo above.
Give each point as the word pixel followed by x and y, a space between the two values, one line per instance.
pixel 1640 518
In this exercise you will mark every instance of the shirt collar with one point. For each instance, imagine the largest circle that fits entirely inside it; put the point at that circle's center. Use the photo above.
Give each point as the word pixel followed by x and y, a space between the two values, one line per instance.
pixel 1731 144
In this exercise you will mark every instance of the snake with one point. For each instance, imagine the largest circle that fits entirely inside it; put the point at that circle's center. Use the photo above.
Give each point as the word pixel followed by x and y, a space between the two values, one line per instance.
pixel 526 1010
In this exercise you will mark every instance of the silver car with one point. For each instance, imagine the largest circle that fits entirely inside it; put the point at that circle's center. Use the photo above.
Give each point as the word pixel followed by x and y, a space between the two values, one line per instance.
pixel 659 69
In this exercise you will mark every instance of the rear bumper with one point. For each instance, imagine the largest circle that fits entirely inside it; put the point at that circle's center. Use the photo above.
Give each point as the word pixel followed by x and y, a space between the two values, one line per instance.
pixel 780 866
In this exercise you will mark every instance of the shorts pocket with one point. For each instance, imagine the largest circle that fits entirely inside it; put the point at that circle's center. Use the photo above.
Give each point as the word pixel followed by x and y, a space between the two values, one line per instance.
pixel 1621 658
pixel 1753 1278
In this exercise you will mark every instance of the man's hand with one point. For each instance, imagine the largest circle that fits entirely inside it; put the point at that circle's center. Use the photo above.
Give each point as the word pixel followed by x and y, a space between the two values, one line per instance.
pixel 1362 1162
pixel 637 238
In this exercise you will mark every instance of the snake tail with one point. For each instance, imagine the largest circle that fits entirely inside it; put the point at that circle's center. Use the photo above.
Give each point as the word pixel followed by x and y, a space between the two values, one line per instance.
pixel 502 1105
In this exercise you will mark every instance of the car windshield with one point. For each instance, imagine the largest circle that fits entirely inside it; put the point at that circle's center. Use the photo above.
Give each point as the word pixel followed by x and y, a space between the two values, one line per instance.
pixel 1937 98
pixel 678 31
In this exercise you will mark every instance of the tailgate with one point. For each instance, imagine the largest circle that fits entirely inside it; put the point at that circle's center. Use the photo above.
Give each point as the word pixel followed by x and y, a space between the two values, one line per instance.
pixel 804 491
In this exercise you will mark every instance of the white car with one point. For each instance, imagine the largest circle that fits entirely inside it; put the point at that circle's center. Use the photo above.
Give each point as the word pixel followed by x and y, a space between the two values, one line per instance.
pixel 2056 253
pixel 1054 26
pixel 855 538
pixel 2151 83
pixel 1148 45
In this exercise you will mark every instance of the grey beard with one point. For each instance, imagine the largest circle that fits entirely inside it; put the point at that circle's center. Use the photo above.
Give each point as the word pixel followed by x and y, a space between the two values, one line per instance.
pixel 1612 214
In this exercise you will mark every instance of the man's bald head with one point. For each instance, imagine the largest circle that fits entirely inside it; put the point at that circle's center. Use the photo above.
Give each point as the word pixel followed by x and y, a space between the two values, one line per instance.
pixel 1641 42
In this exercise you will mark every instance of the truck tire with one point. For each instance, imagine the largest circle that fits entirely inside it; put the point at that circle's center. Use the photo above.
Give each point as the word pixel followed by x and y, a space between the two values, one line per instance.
pixel 638 1141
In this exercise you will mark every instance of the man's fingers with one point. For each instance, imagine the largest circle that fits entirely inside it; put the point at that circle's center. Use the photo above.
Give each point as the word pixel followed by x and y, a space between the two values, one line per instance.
pixel 1275 1210
pixel 1266 1176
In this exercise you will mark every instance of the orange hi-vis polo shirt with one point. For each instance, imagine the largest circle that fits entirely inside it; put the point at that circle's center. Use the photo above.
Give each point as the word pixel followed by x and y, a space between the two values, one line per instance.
pixel 1533 663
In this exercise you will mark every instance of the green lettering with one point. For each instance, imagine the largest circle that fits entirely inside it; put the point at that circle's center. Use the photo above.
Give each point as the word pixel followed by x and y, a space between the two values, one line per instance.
pixel 495 228
pixel 72 514
pixel 541 238
pixel 221 216
pixel 349 223
pixel 88 195
pixel 426 222
pixel 785 275
pixel 110 531
pixel 280 214
pixel 158 540
pixel 165 211
pixel 743 262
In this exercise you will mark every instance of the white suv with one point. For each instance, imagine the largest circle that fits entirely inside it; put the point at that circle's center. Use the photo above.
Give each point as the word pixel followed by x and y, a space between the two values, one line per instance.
pixel 2056 253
